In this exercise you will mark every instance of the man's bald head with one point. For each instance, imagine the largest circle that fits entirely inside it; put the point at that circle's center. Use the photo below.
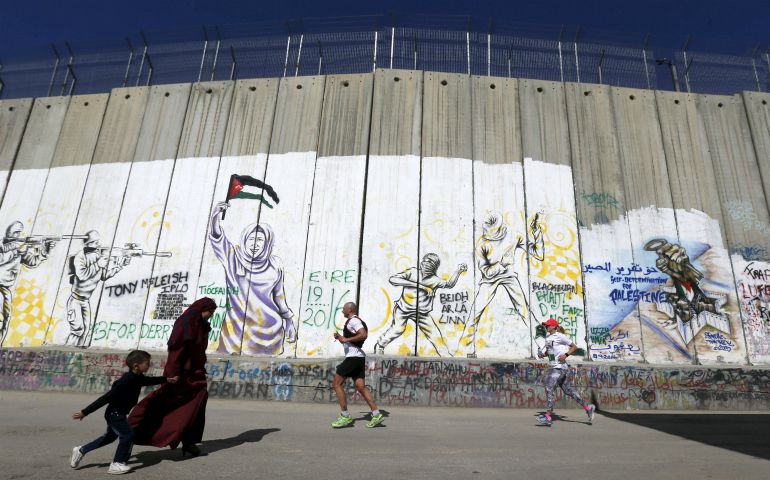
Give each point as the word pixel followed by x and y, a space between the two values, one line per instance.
pixel 349 309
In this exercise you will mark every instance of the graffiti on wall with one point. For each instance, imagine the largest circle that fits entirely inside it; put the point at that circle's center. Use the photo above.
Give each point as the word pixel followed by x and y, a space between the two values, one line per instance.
pixel 686 303
pixel 409 381
pixel 258 317
pixel 18 252
pixel 753 281
pixel 85 271
pixel 497 252
pixel 419 287
pixel 677 290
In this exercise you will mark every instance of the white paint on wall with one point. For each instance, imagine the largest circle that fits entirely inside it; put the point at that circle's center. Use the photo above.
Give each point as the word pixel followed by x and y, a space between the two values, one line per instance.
pixel 99 211
pixel 183 234
pixel 240 214
pixel 333 243
pixel 389 246
pixel 55 216
pixel 556 287
pixel 501 296
pixel 121 309
pixel 446 230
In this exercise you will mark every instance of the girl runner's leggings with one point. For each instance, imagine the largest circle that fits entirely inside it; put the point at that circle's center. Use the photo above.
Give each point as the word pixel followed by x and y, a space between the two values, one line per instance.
pixel 560 377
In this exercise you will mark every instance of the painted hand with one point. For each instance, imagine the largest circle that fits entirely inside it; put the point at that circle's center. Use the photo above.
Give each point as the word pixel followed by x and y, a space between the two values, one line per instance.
pixel 462 268
pixel 672 260
pixel 220 207
pixel 11 246
pixel 291 331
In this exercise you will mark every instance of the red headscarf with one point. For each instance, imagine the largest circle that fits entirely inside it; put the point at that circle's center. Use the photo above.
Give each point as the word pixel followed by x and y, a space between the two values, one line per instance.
pixel 190 326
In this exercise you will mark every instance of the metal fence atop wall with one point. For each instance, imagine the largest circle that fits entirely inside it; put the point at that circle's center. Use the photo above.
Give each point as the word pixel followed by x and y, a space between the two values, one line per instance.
pixel 361 44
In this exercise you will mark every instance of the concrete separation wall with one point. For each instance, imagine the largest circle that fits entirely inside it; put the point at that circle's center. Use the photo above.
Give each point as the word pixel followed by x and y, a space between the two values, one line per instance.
pixel 410 381
pixel 458 211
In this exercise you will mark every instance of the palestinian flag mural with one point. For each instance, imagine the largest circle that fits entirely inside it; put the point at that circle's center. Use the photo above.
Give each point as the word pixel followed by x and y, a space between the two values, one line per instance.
pixel 244 186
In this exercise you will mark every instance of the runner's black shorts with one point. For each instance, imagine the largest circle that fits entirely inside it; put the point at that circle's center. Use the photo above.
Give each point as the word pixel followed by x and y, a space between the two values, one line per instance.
pixel 352 367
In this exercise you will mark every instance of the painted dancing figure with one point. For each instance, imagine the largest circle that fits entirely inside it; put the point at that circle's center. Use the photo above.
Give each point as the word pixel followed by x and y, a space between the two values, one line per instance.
pixel 557 348
pixel 496 253
pixel 416 301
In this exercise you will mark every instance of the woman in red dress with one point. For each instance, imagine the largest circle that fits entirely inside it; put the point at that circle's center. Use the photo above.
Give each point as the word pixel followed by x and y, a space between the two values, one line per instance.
pixel 176 412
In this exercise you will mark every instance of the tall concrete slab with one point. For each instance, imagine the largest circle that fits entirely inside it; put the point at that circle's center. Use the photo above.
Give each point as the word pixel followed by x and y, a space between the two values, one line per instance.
pixel 389 245
pixel 500 318
pixel 613 326
pixel 446 275
pixel 336 215
pixel 652 224
pixel 756 311
pixel 187 211
pixel 121 307
pixel 58 210
pixel 79 289
pixel 556 285
pixel 290 172
pixel 20 203
pixel 744 212
pixel 757 107
pixel 693 188
pixel 13 121
pixel 231 273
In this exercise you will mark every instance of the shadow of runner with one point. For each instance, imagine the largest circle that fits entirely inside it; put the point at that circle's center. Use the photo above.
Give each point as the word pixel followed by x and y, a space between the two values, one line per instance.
pixel 154 457
pixel 742 433
pixel 563 418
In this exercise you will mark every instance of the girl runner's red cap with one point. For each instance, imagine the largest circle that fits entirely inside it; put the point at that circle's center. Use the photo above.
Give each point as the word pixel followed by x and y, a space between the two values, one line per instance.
pixel 551 323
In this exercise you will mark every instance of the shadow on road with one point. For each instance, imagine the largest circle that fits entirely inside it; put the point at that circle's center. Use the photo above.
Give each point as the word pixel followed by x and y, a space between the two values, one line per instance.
pixel 742 433
pixel 208 447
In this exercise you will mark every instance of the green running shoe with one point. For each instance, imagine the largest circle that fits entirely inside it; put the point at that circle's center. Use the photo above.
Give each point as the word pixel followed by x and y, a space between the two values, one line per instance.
pixel 342 421
pixel 376 420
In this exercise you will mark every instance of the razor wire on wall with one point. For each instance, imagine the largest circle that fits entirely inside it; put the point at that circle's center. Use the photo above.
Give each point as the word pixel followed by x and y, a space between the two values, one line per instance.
pixel 361 44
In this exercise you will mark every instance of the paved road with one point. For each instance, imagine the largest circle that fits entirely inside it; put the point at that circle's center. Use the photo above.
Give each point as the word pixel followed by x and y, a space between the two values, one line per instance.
pixel 294 441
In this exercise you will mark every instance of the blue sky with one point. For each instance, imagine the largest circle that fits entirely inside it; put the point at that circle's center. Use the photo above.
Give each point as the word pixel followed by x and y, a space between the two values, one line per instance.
pixel 736 25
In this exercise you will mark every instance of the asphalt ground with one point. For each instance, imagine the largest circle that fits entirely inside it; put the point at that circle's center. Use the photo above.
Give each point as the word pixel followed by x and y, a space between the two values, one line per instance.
pixel 295 441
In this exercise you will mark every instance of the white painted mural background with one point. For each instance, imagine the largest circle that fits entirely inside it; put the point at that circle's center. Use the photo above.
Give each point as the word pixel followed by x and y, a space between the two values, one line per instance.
pixel 291 175
pixel 20 204
pixel 239 215
pixel 446 230
pixel 556 286
pixel 333 245
pixel 183 234
pixel 122 304
pixel 389 246
pixel 500 303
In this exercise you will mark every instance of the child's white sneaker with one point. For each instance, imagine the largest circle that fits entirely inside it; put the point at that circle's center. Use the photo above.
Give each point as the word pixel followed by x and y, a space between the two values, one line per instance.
pixel 76 457
pixel 117 468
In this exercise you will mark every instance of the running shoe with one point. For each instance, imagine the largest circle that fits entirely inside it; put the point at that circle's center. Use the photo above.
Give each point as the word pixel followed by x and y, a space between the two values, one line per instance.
pixel 118 468
pixel 376 420
pixel 590 412
pixel 543 420
pixel 342 421
pixel 76 457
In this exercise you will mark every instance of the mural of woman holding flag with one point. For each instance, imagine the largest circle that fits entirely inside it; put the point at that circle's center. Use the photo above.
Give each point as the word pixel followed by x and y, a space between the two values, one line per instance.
pixel 259 318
